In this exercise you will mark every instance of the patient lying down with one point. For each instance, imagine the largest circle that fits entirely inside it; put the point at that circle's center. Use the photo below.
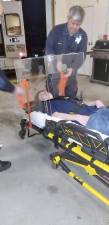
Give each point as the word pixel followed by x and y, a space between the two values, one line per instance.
pixel 94 115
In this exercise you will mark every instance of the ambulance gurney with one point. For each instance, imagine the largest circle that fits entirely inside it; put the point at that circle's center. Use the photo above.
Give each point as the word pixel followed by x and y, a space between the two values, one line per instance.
pixel 82 147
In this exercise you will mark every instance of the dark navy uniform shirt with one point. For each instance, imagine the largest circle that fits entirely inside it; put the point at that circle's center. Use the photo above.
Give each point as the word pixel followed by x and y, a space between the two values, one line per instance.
pixel 60 42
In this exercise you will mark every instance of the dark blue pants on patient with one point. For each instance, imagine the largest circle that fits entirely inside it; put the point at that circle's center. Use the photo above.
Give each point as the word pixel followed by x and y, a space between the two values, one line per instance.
pixel 100 121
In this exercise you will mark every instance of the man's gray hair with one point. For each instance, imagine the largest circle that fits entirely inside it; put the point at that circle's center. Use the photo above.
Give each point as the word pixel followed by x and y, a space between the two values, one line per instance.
pixel 76 13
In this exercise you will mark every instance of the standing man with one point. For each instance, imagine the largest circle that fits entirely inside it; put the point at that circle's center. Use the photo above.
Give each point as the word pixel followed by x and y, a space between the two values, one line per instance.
pixel 68 38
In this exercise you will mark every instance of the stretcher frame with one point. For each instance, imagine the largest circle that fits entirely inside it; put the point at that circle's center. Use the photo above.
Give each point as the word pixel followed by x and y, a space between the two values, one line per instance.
pixel 75 154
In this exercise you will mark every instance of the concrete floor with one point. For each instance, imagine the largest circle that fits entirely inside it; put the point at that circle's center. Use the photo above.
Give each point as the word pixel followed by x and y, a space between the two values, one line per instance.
pixel 33 193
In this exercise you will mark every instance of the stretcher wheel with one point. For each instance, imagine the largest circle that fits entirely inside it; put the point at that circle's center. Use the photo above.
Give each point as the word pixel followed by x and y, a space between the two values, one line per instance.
pixel 22 133
pixel 53 165
pixel 55 160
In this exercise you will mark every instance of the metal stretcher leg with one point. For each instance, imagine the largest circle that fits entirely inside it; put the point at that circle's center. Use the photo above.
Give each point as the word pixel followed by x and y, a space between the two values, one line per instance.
pixel 25 129
pixel 57 160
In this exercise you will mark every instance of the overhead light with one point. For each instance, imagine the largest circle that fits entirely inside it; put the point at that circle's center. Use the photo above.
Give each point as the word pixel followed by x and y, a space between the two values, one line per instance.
pixel 21 54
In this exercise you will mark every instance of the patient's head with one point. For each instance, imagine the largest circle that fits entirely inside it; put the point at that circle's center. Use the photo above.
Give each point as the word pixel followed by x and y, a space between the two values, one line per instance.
pixel 44 95
pixel 40 100
pixel 100 121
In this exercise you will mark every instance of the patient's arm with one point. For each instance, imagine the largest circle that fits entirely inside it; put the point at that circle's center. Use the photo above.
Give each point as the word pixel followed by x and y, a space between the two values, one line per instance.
pixel 76 117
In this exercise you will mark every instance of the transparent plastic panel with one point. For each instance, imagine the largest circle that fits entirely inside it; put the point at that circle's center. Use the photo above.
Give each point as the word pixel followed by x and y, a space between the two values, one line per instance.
pixel 61 73
pixel 31 72
pixel 58 63
pixel 51 75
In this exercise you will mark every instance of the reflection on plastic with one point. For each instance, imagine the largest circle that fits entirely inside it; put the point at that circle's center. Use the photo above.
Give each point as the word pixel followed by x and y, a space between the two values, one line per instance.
pixel 51 73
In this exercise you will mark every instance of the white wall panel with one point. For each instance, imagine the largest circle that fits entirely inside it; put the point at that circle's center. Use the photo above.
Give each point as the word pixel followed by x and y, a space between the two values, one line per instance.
pixel 60 9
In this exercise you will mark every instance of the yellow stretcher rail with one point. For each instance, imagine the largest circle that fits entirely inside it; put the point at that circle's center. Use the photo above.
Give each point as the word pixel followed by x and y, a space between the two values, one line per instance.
pixel 57 160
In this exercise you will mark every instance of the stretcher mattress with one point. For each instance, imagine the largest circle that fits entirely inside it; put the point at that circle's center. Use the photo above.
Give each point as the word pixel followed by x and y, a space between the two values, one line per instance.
pixel 39 120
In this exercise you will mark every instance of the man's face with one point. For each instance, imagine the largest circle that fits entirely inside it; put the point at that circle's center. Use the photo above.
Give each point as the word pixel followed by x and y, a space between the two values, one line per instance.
pixel 73 26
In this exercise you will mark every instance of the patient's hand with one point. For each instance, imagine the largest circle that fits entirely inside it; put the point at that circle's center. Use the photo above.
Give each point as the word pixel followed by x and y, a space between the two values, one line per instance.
pixel 96 103
pixel 99 104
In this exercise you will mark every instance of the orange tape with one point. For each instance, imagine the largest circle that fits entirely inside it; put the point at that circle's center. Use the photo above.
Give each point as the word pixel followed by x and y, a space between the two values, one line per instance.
pixel 20 100
pixel 25 86
pixel 62 84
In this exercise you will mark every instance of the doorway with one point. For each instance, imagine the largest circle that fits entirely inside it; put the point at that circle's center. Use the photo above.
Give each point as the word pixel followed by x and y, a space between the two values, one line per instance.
pixel 34 13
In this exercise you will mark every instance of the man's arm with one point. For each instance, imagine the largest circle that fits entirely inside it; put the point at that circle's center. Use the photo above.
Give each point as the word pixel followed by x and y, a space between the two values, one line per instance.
pixel 82 46
pixel 7 86
pixel 50 43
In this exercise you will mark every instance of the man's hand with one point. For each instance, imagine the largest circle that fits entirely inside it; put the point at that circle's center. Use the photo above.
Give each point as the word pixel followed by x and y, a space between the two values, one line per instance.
pixel 18 90
pixel 68 72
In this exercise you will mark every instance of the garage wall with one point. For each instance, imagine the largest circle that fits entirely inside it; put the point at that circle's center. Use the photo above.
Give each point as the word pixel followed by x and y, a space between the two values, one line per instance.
pixel 100 18
pixel 60 9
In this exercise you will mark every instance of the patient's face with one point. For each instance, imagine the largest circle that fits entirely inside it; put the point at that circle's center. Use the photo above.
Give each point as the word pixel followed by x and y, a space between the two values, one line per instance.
pixel 45 95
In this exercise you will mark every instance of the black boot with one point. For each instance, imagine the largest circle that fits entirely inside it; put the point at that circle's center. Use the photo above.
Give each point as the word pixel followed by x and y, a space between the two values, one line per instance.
pixel 4 165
